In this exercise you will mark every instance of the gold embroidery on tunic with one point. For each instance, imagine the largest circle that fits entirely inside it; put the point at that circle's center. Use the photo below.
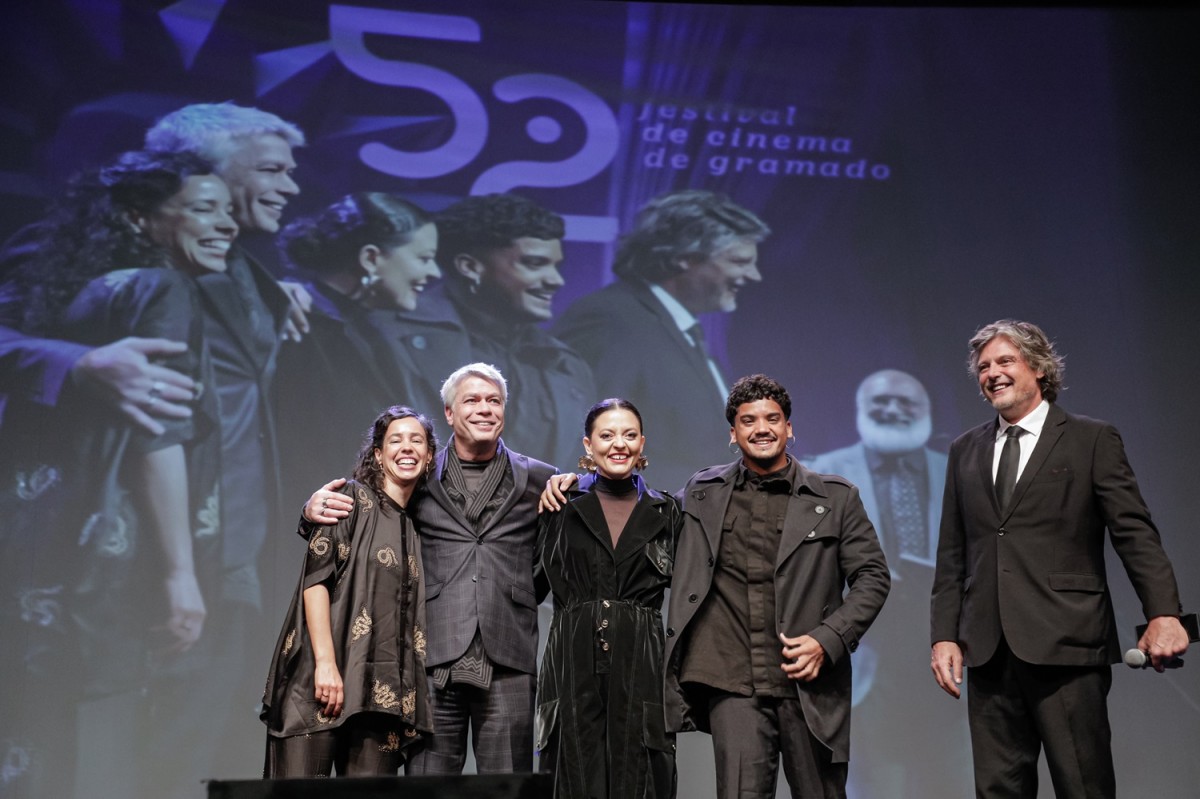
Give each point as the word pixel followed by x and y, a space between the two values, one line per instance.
pixel 393 742
pixel 361 626
pixel 343 551
pixel 410 733
pixel 387 556
pixel 408 705
pixel 323 719
pixel 364 499
pixel 385 696
pixel 419 641
pixel 287 642
pixel 414 570
pixel 319 546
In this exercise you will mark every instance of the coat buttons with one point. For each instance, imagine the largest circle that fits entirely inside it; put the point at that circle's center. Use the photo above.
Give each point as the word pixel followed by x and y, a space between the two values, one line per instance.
pixel 820 509
pixel 419 342
pixel 670 632
pixel 692 597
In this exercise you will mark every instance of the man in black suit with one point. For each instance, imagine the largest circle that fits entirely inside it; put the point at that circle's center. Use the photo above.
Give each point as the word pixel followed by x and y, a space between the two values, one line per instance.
pixel 1020 594
pixel 689 253
pixel 477 519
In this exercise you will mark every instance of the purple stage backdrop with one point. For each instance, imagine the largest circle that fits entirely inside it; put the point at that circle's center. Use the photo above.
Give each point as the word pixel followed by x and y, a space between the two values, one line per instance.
pixel 923 171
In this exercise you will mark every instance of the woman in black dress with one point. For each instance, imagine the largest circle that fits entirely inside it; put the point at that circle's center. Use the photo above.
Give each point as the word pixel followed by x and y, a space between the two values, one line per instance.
pixel 347 691
pixel 608 556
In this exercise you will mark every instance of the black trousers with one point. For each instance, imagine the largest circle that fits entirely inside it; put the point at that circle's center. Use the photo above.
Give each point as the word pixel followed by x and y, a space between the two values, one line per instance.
pixel 365 745
pixel 500 720
pixel 750 733
pixel 1016 709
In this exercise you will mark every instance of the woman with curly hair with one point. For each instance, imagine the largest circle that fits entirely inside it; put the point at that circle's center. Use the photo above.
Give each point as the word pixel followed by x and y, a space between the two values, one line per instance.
pixel 128 528
pixel 346 691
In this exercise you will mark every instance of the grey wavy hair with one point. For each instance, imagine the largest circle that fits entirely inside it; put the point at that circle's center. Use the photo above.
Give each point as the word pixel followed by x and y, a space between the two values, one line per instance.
pixel 1033 344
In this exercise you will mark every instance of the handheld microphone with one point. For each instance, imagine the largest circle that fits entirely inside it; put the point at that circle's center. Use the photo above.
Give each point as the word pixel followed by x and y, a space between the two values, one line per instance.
pixel 1137 659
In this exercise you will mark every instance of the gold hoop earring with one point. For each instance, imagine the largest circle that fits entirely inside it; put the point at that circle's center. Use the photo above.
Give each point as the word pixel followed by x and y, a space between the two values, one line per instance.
pixel 586 463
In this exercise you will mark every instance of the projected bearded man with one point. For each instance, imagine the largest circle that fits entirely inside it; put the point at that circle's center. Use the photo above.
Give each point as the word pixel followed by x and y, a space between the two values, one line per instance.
pixel 900 479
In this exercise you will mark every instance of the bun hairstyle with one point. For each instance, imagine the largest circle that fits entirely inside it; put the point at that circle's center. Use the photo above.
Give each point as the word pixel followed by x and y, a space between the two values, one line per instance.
pixel 330 241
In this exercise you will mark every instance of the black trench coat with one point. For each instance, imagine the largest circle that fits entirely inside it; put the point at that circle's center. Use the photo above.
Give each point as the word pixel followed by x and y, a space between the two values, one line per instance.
pixel 600 722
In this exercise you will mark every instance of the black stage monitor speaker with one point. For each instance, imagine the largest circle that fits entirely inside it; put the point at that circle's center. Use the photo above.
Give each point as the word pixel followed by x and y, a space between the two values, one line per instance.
pixel 483 786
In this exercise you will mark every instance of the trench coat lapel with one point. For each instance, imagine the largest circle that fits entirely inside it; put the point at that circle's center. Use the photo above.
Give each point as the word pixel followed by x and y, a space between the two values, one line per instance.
pixel 807 509
pixel 708 502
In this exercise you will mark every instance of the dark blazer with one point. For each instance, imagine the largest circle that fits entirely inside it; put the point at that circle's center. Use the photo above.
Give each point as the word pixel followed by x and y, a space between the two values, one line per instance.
pixel 484 581
pixel 827 545
pixel 636 351
pixel 1035 573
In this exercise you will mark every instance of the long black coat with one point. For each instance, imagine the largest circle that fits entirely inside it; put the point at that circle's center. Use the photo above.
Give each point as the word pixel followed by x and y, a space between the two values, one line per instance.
pixel 600 720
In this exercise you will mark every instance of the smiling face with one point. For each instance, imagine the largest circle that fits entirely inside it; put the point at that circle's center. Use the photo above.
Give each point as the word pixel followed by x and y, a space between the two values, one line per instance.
pixel 1006 380
pixel 893 412
pixel 761 433
pixel 259 174
pixel 476 417
pixel 404 456
pixel 523 278
pixel 194 226
pixel 403 271
pixel 713 283
pixel 615 443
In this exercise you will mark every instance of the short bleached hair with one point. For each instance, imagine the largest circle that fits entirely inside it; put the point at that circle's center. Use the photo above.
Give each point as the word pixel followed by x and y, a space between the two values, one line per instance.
pixel 482 370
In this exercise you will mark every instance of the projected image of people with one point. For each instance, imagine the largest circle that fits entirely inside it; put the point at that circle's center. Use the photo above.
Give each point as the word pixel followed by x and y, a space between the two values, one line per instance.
pixel 900 480
pixel 688 254
pixel 368 256
pixel 608 556
pixel 120 555
pixel 501 255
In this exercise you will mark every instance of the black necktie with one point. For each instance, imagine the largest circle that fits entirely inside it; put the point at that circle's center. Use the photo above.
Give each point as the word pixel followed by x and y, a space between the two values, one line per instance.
pixel 1006 472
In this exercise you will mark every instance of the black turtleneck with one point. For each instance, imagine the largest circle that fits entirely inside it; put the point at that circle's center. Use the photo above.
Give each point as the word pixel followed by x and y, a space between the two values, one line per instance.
pixel 617 498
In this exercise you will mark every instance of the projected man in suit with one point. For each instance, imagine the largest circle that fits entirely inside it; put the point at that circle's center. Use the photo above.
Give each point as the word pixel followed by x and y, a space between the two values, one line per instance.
pixel 1020 594
pixel 900 479
pixel 477 519
pixel 689 253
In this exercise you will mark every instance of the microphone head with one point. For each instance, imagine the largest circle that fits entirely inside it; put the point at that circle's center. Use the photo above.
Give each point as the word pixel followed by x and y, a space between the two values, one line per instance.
pixel 1136 659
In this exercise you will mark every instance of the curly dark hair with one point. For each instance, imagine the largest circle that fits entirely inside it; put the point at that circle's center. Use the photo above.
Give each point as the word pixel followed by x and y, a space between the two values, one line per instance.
pixel 89 231
pixel 367 470
pixel 481 224
pixel 681 225
pixel 753 388
pixel 329 241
